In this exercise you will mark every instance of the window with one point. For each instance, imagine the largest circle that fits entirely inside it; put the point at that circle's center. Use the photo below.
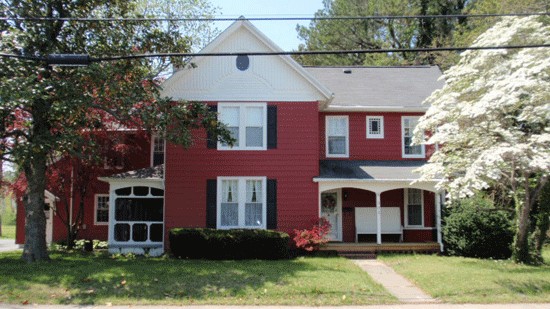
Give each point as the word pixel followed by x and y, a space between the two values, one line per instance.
pixel 157 152
pixel 414 208
pixel 241 202
pixel 101 209
pixel 409 151
pixel 375 127
pixel 247 124
pixel 337 136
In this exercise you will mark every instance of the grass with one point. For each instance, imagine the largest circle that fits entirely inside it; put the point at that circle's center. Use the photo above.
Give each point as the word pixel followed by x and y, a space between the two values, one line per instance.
pixel 467 280
pixel 102 280
pixel 8 231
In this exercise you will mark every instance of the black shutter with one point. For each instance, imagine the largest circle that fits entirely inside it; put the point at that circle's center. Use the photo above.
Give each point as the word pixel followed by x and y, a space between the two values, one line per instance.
pixel 212 139
pixel 271 127
pixel 211 201
pixel 271 204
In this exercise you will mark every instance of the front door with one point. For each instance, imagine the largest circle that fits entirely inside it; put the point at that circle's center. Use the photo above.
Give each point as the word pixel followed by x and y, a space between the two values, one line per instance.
pixel 331 210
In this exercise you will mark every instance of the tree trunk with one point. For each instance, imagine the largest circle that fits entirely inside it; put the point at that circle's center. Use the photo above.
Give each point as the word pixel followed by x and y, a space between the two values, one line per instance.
pixel 35 248
pixel 521 243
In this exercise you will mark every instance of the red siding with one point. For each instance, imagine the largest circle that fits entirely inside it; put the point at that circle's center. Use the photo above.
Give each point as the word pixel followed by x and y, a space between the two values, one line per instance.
pixel 361 148
pixel 293 164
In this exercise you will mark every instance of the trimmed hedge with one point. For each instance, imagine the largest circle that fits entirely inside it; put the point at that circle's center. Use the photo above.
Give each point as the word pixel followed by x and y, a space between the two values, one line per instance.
pixel 474 228
pixel 204 243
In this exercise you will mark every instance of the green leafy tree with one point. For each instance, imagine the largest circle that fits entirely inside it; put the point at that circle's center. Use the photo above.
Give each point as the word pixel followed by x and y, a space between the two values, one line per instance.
pixel 378 33
pixel 44 110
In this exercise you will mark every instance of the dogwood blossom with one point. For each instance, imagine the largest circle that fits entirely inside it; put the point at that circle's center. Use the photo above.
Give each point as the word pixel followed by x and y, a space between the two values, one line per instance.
pixel 491 118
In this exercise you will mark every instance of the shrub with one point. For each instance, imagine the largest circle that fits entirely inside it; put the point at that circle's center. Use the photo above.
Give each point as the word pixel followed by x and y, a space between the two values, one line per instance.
pixel 474 228
pixel 199 243
pixel 311 239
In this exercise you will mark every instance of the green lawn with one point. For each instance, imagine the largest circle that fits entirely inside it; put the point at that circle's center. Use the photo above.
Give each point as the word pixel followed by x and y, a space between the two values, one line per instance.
pixel 466 280
pixel 8 231
pixel 88 279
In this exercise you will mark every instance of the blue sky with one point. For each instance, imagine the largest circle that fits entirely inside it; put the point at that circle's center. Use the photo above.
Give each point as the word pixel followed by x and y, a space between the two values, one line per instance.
pixel 283 33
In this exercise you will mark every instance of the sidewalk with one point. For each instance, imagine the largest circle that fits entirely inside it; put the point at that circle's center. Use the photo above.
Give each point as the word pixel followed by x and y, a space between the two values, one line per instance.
pixel 8 245
pixel 406 306
pixel 397 285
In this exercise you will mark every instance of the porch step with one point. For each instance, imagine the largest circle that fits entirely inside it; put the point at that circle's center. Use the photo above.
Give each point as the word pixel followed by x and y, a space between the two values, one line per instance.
pixel 354 255
pixel 372 249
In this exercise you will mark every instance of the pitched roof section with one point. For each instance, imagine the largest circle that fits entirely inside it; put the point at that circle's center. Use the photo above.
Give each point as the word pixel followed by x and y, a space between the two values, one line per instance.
pixel 369 170
pixel 379 88
pixel 266 78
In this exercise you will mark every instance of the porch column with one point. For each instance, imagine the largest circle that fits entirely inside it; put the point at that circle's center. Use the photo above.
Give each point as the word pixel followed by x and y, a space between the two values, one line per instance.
pixel 378 219
pixel 438 219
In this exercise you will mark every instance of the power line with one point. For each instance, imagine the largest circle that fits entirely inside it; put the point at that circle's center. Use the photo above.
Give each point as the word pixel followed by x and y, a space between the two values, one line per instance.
pixel 282 53
pixel 214 19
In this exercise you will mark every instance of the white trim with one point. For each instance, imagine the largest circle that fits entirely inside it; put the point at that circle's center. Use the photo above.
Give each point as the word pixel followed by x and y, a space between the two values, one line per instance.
pixel 378 109
pixel 96 196
pixel 422 147
pixel 242 124
pixel 379 135
pixel 406 209
pixel 346 154
pixel 241 202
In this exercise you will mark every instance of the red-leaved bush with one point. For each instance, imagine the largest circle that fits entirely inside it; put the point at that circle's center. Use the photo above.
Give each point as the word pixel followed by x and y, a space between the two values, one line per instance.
pixel 311 239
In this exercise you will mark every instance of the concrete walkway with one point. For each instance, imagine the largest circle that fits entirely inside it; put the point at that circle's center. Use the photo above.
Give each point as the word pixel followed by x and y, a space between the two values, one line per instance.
pixel 396 284
pixel 8 245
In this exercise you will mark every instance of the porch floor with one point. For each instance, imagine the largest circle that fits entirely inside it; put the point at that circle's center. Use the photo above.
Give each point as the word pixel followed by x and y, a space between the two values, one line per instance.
pixel 369 250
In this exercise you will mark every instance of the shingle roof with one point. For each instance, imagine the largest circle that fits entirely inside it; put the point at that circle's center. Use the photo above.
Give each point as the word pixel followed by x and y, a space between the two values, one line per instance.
pixel 373 170
pixel 379 87
pixel 155 172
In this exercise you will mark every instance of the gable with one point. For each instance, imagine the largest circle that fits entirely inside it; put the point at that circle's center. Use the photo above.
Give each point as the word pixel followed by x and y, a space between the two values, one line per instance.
pixel 268 78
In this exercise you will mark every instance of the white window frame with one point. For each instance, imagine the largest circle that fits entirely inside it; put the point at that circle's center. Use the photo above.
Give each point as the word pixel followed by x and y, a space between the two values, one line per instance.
pixel 242 201
pixel 406 207
pixel 423 150
pixel 153 138
pixel 96 197
pixel 381 127
pixel 242 125
pixel 329 155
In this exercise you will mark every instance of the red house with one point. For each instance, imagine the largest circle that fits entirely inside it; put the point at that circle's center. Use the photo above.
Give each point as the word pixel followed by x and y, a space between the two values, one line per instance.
pixel 311 141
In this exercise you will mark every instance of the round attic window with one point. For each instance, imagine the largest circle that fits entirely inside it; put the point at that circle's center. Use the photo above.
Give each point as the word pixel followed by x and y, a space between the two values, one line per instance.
pixel 242 62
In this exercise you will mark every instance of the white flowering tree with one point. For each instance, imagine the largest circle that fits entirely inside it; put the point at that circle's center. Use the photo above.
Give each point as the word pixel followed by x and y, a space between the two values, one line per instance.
pixel 491 121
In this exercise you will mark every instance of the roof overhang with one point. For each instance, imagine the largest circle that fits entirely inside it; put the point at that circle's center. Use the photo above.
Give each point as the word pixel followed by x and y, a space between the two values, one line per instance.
pixel 394 108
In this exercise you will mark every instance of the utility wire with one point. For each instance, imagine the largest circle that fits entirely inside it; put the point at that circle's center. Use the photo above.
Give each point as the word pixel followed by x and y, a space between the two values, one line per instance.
pixel 288 53
pixel 213 19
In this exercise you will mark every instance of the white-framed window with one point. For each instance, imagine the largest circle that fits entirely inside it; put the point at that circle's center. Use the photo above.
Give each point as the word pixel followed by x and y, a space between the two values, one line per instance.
pixel 414 208
pixel 157 150
pixel 247 123
pixel 101 213
pixel 408 124
pixel 337 136
pixel 241 202
pixel 375 126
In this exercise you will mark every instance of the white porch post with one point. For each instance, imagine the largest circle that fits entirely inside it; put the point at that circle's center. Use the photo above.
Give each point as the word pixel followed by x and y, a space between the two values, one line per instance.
pixel 438 219
pixel 378 219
